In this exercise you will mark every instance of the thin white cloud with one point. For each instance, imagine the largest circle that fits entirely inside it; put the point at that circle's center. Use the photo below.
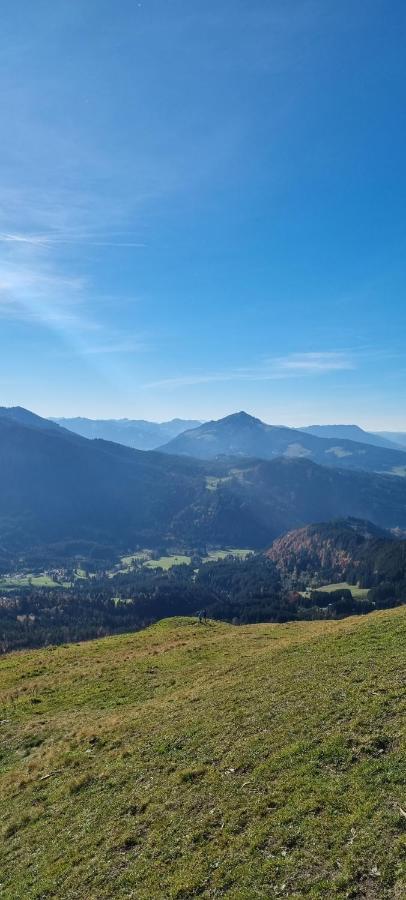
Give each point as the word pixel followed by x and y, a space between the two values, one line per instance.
pixel 33 292
pixel 38 290
pixel 312 363
pixel 46 240
pixel 290 366
pixel 119 346
pixel 190 380
pixel 39 295
pixel 21 239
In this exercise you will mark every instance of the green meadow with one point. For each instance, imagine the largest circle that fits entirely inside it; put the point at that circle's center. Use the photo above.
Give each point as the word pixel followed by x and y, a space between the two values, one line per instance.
pixel 357 592
pixel 166 562
pixel 178 559
pixel 214 555
pixel 263 761
pixel 16 581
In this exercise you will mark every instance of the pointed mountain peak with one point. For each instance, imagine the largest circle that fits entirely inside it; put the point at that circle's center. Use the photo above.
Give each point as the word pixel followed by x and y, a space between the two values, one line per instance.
pixel 241 418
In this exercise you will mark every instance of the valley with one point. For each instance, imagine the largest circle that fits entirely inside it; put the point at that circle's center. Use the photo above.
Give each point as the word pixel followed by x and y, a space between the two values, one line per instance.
pixel 67 576
pixel 324 571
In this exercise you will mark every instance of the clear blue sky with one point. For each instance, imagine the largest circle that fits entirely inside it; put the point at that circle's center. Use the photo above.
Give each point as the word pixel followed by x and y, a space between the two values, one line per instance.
pixel 202 209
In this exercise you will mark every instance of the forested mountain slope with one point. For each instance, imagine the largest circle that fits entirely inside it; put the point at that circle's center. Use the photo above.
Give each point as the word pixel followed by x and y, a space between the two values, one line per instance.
pixel 353 551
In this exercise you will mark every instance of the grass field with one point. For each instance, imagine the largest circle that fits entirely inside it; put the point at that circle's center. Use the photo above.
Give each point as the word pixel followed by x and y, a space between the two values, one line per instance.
pixel 208 761
pixel 140 557
pixel 24 580
pixel 222 554
pixel 357 592
pixel 81 573
pixel 166 562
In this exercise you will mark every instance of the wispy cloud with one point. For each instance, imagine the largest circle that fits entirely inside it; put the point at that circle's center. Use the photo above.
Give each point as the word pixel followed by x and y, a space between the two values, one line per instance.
pixel 292 365
pixel 39 294
pixel 45 240
pixel 39 287
pixel 312 363
pixel 116 346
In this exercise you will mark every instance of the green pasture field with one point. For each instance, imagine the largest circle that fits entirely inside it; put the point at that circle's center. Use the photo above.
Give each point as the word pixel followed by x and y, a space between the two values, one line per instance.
pixel 210 761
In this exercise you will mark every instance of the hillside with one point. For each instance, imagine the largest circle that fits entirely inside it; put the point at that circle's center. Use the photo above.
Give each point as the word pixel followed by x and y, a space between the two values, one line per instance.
pixel 327 548
pixel 350 549
pixel 60 490
pixel 56 486
pixel 183 761
pixel 136 433
pixel 260 497
pixel 243 435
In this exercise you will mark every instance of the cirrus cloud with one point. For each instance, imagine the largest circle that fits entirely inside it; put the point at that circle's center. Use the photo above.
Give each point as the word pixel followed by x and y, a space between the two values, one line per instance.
pixel 290 366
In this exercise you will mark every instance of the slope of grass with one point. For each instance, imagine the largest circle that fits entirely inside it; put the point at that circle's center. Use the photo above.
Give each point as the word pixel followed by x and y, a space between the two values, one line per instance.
pixel 208 761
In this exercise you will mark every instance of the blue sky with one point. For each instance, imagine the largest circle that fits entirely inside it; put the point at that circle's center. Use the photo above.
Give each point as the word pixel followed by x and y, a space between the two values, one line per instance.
pixel 202 209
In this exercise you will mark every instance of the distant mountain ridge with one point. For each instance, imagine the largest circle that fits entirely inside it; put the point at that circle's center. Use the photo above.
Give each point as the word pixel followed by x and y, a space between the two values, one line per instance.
pixel 396 437
pixel 243 435
pixel 58 488
pixel 137 433
pixel 350 433
pixel 26 417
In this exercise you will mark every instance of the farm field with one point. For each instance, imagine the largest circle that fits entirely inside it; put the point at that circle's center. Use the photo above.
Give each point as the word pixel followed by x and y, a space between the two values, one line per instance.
pixel 213 761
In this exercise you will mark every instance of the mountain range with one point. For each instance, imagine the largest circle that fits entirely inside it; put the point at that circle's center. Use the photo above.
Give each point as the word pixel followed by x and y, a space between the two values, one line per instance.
pixel 145 435
pixel 243 435
pixel 58 489
pixel 351 433
pixel 395 437
pixel 137 433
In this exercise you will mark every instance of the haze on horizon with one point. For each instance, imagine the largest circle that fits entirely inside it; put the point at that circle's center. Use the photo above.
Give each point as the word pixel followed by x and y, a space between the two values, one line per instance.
pixel 202 210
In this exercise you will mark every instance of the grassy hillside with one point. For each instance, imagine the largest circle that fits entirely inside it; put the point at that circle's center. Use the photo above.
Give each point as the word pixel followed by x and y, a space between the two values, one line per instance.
pixel 212 761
